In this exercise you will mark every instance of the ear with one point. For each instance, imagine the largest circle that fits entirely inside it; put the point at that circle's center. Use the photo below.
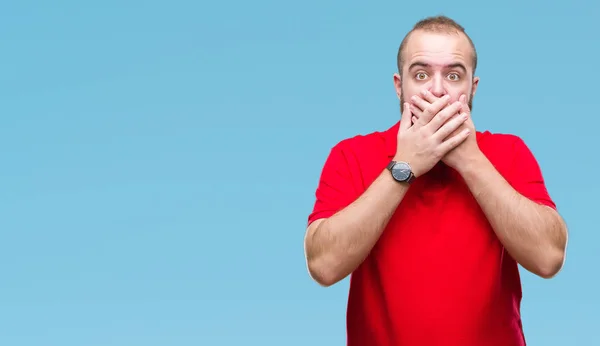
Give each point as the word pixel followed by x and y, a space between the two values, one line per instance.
pixel 475 84
pixel 398 85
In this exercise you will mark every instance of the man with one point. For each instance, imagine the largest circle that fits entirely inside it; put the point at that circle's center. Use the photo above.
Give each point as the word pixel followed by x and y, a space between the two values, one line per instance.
pixel 432 217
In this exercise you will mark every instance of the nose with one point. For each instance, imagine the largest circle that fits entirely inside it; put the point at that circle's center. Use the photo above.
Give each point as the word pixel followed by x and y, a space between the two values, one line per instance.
pixel 437 86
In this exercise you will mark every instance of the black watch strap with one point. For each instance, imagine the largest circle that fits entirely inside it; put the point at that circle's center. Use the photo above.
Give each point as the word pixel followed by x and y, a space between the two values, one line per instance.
pixel 390 165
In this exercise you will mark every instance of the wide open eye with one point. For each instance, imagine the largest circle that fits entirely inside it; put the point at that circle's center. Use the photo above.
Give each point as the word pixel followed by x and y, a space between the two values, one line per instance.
pixel 421 76
pixel 454 77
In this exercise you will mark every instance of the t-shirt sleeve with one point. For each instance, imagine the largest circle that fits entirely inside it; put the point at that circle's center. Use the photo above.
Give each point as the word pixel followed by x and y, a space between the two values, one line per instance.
pixel 335 189
pixel 527 176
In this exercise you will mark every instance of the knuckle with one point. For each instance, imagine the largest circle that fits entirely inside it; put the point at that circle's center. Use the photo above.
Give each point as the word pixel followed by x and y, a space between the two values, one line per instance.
pixel 426 140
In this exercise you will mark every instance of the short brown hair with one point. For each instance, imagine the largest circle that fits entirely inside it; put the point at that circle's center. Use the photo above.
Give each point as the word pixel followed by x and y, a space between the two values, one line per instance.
pixel 437 24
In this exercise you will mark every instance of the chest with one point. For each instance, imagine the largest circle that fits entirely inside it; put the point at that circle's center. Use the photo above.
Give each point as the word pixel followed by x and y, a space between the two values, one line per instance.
pixel 438 217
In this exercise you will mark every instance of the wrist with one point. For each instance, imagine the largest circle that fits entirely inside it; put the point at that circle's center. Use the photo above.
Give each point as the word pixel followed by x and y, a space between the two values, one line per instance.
pixel 401 171
pixel 473 164
pixel 415 170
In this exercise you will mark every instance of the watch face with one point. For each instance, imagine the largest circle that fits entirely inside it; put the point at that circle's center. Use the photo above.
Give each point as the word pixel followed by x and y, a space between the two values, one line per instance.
pixel 401 171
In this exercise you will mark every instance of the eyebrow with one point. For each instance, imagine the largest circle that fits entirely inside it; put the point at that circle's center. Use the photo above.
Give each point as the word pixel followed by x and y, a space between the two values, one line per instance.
pixel 425 65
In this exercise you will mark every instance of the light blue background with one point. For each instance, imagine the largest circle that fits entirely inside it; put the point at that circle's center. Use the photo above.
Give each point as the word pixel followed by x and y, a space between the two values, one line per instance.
pixel 159 159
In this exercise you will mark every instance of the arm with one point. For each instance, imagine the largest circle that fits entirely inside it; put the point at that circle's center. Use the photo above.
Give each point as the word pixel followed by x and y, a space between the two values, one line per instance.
pixel 337 245
pixel 521 213
pixel 347 226
pixel 533 233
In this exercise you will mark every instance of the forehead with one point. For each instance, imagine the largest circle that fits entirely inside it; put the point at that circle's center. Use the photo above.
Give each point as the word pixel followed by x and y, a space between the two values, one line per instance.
pixel 438 49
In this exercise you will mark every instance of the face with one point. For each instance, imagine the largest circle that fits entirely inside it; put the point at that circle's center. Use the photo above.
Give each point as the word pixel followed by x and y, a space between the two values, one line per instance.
pixel 440 63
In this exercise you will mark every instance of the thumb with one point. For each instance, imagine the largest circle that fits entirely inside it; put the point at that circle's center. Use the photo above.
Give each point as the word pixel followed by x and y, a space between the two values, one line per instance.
pixel 405 120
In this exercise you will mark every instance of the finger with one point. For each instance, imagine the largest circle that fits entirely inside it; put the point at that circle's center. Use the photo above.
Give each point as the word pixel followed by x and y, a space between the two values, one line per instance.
pixel 465 108
pixel 442 117
pixel 429 97
pixel 422 101
pixel 405 120
pixel 414 109
pixel 451 126
pixel 419 102
pixel 464 101
pixel 432 109
pixel 414 119
pixel 416 112
pixel 453 141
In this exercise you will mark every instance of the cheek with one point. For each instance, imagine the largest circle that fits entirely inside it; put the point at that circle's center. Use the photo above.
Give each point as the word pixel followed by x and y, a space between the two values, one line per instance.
pixel 456 90
pixel 409 91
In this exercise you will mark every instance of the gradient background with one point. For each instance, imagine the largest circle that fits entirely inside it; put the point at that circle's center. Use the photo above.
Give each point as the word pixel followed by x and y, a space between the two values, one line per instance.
pixel 159 159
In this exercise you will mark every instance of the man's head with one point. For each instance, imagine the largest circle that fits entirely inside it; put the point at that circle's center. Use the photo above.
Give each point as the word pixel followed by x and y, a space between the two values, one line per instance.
pixel 439 56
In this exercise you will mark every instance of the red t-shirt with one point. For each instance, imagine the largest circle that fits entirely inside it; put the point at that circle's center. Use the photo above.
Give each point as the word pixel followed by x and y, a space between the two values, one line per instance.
pixel 438 274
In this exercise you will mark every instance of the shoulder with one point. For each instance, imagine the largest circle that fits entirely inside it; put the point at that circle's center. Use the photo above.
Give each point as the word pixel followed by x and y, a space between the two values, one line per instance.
pixel 361 156
pixel 378 142
pixel 502 145
pixel 508 152
pixel 493 139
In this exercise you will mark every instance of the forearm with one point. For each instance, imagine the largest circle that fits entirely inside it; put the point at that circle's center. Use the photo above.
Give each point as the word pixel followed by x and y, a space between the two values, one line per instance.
pixel 339 244
pixel 533 234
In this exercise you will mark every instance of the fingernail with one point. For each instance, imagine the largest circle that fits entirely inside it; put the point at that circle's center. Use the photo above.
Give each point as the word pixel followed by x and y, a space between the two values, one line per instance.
pixel 424 92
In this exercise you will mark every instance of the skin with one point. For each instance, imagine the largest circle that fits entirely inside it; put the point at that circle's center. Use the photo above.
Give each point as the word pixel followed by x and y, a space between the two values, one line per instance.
pixel 438 63
pixel 437 80
pixel 534 235
pixel 336 246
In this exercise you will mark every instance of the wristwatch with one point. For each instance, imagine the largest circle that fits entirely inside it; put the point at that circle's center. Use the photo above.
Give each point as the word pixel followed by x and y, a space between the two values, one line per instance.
pixel 401 171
